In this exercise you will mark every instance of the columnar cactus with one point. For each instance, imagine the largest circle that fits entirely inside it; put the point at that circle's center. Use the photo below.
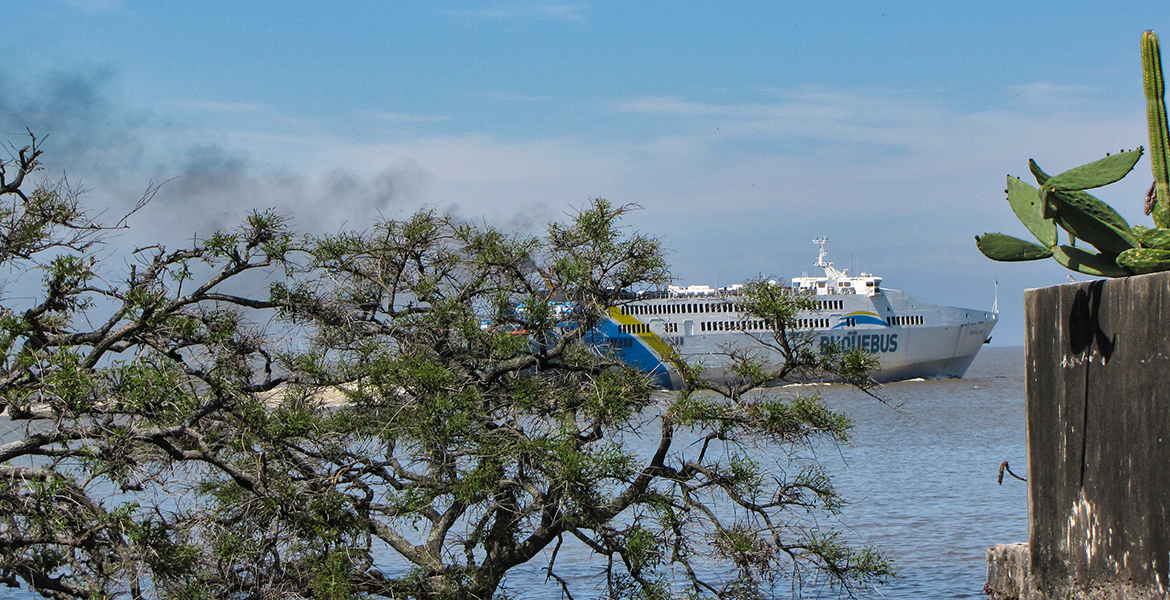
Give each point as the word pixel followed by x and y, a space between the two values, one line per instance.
pixel 1156 122
pixel 1061 201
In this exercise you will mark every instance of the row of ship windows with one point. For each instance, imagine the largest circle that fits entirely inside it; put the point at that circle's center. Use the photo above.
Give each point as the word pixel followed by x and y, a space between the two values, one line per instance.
pixel 676 309
pixel 733 326
pixel 763 325
pixel 625 342
pixel 641 328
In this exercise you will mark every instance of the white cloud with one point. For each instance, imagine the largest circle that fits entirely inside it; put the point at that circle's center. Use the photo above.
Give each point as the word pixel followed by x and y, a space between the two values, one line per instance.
pixel 1049 94
pixel 900 176
pixel 811 153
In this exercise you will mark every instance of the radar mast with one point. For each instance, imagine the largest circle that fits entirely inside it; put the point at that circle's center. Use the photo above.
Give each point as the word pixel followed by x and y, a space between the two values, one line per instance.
pixel 822 254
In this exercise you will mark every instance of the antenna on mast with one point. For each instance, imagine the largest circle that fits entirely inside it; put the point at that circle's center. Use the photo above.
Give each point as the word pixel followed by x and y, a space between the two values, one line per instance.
pixel 823 253
pixel 995 305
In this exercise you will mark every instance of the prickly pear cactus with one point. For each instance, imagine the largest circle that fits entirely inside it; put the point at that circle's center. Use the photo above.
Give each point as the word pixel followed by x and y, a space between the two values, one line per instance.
pixel 1061 202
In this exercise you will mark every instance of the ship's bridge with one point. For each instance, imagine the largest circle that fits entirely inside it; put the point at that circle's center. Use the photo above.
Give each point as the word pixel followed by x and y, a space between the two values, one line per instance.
pixel 865 284
pixel 836 282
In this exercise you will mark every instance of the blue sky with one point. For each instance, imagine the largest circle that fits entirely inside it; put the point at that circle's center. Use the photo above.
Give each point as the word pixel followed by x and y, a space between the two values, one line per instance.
pixel 744 130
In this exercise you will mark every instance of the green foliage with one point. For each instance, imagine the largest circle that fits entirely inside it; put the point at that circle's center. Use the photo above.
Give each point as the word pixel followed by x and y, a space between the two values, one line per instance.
pixel 426 390
pixel 165 557
pixel 330 577
pixel 841 557
pixel 1061 201
pixel 785 420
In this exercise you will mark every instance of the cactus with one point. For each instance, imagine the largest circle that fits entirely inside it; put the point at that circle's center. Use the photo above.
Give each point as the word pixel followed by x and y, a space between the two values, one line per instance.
pixel 1081 214
pixel 1152 238
pixel 1083 222
pixel 1062 202
pixel 1089 263
pixel 998 246
pixel 1156 122
pixel 1025 202
pixel 1145 260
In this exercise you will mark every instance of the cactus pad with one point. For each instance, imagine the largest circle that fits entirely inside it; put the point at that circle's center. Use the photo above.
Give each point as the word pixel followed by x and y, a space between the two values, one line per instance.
pixel 1089 263
pixel 1152 238
pixel 1025 202
pixel 998 246
pixel 1145 260
pixel 1093 221
pixel 1097 173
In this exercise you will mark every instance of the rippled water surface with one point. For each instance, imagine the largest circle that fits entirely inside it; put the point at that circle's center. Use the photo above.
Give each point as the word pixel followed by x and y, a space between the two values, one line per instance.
pixel 923 485
pixel 920 481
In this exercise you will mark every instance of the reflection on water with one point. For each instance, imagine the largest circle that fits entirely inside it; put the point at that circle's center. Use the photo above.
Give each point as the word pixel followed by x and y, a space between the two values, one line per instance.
pixel 920 481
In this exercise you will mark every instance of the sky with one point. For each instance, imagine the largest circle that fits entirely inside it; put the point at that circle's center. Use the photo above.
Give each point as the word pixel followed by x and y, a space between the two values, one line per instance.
pixel 743 130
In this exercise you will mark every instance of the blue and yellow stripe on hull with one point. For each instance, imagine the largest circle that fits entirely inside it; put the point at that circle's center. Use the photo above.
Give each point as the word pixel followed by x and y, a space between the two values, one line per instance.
pixel 861 317
pixel 645 350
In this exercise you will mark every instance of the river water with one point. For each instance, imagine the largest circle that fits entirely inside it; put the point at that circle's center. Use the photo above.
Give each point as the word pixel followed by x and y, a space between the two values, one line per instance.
pixel 923 483
pixel 920 481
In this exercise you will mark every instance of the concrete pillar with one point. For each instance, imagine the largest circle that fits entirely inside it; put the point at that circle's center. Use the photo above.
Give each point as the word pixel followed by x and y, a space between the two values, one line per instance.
pixel 1007 572
pixel 1098 421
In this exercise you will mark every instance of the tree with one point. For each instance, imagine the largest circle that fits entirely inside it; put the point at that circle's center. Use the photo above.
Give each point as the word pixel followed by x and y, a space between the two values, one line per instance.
pixel 408 412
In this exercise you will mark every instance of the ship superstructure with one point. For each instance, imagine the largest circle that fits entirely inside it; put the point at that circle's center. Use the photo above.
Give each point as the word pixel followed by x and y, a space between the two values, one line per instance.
pixel 701 324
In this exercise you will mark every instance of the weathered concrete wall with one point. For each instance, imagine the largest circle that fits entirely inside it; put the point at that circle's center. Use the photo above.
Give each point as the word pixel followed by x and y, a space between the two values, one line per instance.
pixel 1007 572
pixel 1098 419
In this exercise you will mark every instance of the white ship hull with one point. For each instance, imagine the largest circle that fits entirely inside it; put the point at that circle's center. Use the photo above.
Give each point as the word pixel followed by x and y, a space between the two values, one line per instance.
pixel 700 325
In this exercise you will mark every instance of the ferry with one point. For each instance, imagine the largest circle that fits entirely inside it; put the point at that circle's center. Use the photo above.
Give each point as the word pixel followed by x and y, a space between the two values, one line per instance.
pixel 700 324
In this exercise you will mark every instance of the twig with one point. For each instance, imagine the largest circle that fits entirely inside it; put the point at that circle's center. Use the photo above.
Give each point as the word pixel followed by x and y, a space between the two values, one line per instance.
pixel 1004 467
